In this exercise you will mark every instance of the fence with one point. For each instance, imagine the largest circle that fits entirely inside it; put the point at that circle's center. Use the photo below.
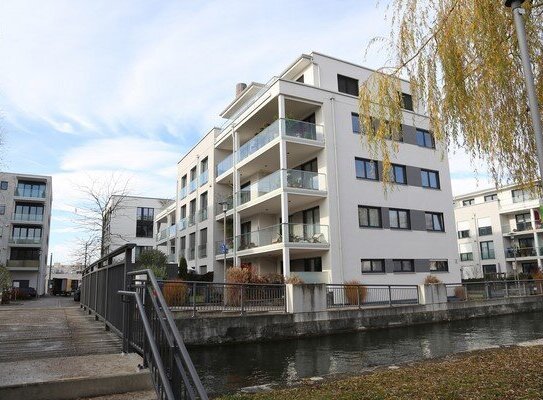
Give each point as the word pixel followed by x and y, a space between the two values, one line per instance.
pixel 493 290
pixel 197 297
pixel 341 296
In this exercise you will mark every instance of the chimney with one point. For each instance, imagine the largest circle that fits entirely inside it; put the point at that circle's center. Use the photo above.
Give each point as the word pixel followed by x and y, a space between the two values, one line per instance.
pixel 240 87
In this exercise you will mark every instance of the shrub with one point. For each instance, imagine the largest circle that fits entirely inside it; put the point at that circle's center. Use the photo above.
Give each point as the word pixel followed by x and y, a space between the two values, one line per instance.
pixel 537 275
pixel 155 260
pixel 238 275
pixel 355 292
pixel 5 284
pixel 175 293
pixel 273 278
pixel 182 270
pixel 294 279
pixel 460 293
pixel 432 280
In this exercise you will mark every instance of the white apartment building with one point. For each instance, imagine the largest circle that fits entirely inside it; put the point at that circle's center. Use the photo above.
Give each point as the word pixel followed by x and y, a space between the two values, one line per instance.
pixel 302 193
pixel 25 218
pixel 499 232
pixel 132 222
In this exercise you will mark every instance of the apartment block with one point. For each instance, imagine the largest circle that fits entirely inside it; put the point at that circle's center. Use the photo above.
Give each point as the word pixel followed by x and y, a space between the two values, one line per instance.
pixel 287 185
pixel 132 222
pixel 499 232
pixel 25 217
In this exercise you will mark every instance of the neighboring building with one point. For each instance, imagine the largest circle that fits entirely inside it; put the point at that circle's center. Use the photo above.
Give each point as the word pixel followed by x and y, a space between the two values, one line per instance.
pixel 301 192
pixel 132 222
pixel 25 217
pixel 499 232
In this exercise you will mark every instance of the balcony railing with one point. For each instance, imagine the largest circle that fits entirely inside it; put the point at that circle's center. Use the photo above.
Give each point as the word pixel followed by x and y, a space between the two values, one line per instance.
pixel 28 217
pixel 190 253
pixel 193 185
pixel 23 263
pixel 202 250
pixel 25 240
pixel 298 233
pixel 289 127
pixel 222 246
pixel 204 177
pixel 162 235
pixel 524 197
pixel 34 193
pixel 182 224
pixel 171 231
pixel 225 164
pixel 202 214
pixel 520 252
pixel 192 219
pixel 520 227
pixel 466 256
pixel 292 178
pixel 183 193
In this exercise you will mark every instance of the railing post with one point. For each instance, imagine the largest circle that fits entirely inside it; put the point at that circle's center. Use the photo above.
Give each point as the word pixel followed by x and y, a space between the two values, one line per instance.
pixel 389 295
pixel 194 299
pixel 242 305
pixel 487 291
pixel 96 293
pixel 358 296
pixel 506 288
pixel 285 297
pixel 106 299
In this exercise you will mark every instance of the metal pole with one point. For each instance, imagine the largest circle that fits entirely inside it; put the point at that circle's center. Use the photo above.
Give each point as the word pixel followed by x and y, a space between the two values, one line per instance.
pixel 224 250
pixel 49 286
pixel 518 12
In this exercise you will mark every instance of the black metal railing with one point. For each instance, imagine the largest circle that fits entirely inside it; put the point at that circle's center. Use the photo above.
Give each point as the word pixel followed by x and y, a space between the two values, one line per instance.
pixel 132 305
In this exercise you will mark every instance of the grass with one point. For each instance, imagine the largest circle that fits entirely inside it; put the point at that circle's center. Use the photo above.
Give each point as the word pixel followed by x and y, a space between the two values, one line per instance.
pixel 505 373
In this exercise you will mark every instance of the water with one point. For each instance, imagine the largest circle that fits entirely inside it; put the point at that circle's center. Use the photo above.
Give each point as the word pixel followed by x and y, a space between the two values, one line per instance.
pixel 225 369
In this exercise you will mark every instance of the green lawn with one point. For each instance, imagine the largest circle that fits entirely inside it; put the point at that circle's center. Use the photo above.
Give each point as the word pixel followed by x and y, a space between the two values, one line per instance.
pixel 506 373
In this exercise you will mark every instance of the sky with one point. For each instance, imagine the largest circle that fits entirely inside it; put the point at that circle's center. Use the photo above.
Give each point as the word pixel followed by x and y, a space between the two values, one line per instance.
pixel 89 88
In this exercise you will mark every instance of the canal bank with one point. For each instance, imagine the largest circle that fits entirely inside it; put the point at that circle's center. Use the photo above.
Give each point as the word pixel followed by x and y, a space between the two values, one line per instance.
pixel 214 329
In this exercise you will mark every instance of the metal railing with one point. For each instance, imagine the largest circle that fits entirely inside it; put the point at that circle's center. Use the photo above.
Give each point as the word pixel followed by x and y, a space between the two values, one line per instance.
pixel 488 290
pixel 520 252
pixel 345 296
pixel 194 297
pixel 132 305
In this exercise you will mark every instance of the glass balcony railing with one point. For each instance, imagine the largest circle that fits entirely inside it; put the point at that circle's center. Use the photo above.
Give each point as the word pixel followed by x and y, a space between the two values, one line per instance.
pixel 292 178
pixel 25 240
pixel 171 231
pixel 204 177
pixel 308 233
pixel 202 215
pixel 520 252
pixel 23 263
pixel 183 193
pixel 262 237
pixel 193 185
pixel 298 233
pixel 202 250
pixel 162 235
pixel 263 138
pixel 182 224
pixel 520 227
pixel 192 219
pixel 225 164
pixel 303 130
pixel 30 192
pixel 28 217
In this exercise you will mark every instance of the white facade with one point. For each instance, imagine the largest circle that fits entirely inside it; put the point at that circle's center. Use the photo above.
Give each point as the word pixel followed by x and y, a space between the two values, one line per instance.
pixel 499 232
pixel 284 163
pixel 132 222
pixel 25 218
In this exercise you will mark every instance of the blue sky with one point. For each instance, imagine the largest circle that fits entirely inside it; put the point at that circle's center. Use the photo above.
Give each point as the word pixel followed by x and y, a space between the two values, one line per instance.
pixel 92 87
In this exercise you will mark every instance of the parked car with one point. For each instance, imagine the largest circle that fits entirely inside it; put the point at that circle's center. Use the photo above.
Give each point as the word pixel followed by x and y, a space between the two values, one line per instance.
pixel 23 293
pixel 77 294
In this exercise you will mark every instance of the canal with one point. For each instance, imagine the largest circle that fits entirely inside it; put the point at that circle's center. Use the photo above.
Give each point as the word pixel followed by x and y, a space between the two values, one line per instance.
pixel 226 369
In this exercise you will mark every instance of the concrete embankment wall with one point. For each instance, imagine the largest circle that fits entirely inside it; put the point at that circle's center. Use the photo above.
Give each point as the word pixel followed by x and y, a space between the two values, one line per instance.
pixel 221 329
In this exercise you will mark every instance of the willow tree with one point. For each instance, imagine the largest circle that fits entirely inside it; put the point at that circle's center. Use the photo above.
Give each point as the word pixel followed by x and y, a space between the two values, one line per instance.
pixel 462 61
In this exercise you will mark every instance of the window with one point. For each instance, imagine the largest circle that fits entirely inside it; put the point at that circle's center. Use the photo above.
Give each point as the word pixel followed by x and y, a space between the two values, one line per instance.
pixel 523 222
pixel 4 185
pixel 373 266
pixel 398 174
pixel 466 256
pixel 485 230
pixel 202 248
pixel 404 265
pixel 28 212
pixel 369 217
pixel 2 210
pixel 300 79
pixel 468 202
pixel 30 189
pixel 24 254
pixel 355 122
pixel 463 234
pixel 366 169
pixel 144 222
pixel 407 101
pixel 24 232
pixel 520 195
pixel 487 250
pixel 489 269
pixel 184 181
pixel 425 139
pixel 203 268
pixel 434 222
pixel 439 265
pixel 347 85
pixel 399 219
pixel 491 197
pixel 193 174
pixel 430 179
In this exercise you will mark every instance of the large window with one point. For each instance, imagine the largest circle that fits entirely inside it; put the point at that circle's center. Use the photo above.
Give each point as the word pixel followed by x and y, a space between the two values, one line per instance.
pixel 29 212
pixel 439 266
pixel 430 179
pixel 399 219
pixel 366 169
pixel 369 217
pixel 523 222
pixel 144 222
pixel 404 265
pixel 24 254
pixel 425 139
pixel 434 222
pixel 407 101
pixel 487 250
pixel 491 197
pixel 26 232
pixel 355 121
pixel 398 174
pixel 30 189
pixel 347 85
pixel 373 266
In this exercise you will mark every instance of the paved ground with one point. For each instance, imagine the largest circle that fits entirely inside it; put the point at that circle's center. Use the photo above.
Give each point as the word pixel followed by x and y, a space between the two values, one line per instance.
pixel 51 327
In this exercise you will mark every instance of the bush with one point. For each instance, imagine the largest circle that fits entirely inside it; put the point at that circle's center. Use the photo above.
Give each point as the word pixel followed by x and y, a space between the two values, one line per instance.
pixel 273 279
pixel 156 261
pixel 432 280
pixel 294 279
pixel 460 293
pixel 355 292
pixel 175 293
pixel 182 270
pixel 238 275
pixel 5 284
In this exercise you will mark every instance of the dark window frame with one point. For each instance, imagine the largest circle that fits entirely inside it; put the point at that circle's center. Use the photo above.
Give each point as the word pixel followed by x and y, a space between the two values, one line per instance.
pixel 394 176
pixel 398 211
pixel 428 173
pixel 461 235
pixel 487 253
pixel 367 209
pixel 402 262
pixel 347 85
pixel 144 222
pixel 491 197
pixel 436 266
pixel 355 123
pixel 424 138
pixel 433 215
pixel 406 101
pixel 368 166
pixel 372 266
pixel 485 230
pixel 468 202
pixel 4 185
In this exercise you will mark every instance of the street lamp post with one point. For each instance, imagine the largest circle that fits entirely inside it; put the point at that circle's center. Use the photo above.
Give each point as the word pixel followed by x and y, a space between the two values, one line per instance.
pixel 224 249
pixel 518 12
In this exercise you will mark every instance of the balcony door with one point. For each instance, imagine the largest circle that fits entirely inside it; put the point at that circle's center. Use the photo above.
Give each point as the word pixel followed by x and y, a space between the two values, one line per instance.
pixel 245 237
pixel 311 220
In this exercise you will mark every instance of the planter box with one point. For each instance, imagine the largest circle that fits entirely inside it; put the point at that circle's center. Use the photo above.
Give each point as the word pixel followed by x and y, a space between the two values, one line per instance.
pixel 432 294
pixel 305 298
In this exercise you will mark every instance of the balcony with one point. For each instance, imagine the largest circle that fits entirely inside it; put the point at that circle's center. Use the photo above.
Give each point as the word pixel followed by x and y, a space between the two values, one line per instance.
pixel 183 193
pixel 225 164
pixel 190 254
pixel 520 228
pixel 202 215
pixel 202 251
pixel 193 185
pixel 171 231
pixel 182 224
pixel 521 252
pixel 162 235
pixel 291 178
pixel 25 240
pixel 34 193
pixel 204 177
pixel 23 264
pixel 288 127
pixel 229 206
pixel 304 235
pixel 28 217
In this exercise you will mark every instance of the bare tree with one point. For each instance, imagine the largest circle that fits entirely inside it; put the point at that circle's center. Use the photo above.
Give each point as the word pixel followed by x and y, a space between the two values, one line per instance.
pixel 86 249
pixel 102 199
